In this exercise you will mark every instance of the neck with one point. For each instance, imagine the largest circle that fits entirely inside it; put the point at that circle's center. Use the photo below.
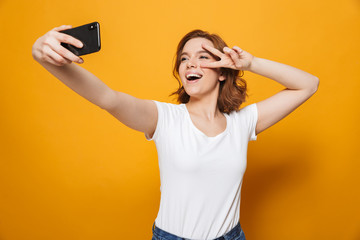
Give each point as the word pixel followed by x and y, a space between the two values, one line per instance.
pixel 205 107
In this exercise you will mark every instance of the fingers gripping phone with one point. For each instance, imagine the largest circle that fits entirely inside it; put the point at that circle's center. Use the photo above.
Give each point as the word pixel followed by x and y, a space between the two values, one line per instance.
pixel 88 34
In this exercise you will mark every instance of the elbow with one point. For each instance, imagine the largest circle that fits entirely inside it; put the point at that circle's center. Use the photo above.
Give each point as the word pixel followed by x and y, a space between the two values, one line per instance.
pixel 315 85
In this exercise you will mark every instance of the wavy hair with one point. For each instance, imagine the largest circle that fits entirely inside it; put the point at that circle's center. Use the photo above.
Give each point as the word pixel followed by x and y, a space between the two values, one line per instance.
pixel 232 91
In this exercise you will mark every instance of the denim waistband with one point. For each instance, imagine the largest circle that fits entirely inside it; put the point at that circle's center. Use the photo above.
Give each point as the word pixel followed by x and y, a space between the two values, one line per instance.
pixel 232 234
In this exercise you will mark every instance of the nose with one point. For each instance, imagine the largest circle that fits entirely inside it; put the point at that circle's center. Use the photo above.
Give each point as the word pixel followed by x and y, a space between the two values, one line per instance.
pixel 191 63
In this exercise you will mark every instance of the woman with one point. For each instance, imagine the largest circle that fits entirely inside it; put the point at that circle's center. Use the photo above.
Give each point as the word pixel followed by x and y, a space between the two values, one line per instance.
pixel 201 142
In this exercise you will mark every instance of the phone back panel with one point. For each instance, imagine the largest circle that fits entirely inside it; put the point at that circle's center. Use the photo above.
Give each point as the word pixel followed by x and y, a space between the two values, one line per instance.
pixel 88 34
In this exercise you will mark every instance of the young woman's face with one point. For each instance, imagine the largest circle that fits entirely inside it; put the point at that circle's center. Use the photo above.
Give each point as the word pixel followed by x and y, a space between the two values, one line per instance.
pixel 198 81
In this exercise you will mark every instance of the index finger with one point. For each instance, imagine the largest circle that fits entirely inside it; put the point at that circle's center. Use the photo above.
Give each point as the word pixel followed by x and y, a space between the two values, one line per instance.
pixel 62 27
pixel 66 38
pixel 212 50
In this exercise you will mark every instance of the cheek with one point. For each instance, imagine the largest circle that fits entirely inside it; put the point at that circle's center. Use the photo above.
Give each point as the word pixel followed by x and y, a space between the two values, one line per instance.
pixel 210 71
pixel 181 71
pixel 181 76
pixel 181 66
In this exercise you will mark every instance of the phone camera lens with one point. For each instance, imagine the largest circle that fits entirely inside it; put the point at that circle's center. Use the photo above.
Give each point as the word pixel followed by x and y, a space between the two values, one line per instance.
pixel 92 27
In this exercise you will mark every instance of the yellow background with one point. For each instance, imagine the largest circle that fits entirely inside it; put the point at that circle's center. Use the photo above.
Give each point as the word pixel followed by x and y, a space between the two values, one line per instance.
pixel 69 170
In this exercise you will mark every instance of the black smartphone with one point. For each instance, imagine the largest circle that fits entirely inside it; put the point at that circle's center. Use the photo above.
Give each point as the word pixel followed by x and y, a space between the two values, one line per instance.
pixel 88 34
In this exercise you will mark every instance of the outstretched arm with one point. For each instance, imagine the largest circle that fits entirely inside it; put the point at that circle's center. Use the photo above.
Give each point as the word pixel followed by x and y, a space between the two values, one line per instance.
pixel 300 85
pixel 138 114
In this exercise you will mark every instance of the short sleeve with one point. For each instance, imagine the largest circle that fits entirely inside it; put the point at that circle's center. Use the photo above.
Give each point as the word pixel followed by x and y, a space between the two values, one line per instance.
pixel 253 117
pixel 159 121
pixel 250 116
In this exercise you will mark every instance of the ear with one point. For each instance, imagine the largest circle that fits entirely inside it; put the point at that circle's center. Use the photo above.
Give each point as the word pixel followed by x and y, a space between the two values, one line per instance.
pixel 222 77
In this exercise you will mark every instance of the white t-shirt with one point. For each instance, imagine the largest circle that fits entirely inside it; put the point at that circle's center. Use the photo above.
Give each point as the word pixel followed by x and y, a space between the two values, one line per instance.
pixel 201 176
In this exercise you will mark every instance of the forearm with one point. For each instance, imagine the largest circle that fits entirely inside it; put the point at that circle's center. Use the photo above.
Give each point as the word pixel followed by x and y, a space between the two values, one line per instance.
pixel 82 82
pixel 290 77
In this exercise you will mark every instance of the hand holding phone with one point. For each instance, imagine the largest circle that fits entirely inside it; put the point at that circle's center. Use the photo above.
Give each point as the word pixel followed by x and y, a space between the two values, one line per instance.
pixel 88 34
pixel 48 49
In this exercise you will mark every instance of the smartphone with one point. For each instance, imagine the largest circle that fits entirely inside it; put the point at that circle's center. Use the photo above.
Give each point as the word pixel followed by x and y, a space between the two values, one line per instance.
pixel 88 34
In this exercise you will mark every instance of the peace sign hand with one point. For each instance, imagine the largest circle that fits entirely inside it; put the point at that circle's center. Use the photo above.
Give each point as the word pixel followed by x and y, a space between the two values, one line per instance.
pixel 234 58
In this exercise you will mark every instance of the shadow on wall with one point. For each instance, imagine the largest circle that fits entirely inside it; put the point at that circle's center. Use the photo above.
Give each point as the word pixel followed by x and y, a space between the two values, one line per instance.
pixel 269 175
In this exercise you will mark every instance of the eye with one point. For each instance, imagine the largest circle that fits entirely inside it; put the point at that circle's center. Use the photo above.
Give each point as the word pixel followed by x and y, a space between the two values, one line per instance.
pixel 204 57
pixel 182 59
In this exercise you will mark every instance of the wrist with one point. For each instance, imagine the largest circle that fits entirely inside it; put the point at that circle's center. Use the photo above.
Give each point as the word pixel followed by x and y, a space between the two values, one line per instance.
pixel 253 64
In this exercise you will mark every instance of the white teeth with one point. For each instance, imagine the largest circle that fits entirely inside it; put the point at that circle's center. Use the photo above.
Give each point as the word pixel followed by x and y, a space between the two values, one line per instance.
pixel 193 75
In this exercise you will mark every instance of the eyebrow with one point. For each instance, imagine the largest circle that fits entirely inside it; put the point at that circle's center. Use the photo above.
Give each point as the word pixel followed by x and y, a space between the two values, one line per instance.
pixel 201 51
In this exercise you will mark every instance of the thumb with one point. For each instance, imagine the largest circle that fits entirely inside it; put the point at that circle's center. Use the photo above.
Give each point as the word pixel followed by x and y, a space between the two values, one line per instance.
pixel 210 65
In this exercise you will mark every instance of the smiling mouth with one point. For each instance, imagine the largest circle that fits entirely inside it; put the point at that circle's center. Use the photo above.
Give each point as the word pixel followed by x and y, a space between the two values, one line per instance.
pixel 193 77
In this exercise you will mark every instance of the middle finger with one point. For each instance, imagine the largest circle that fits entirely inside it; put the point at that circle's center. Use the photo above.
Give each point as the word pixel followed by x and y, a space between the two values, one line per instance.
pixel 234 56
pixel 212 50
pixel 65 53
pixel 59 60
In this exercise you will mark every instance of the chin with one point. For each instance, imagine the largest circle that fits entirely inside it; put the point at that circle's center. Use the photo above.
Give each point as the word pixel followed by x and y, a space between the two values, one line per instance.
pixel 191 91
pixel 193 94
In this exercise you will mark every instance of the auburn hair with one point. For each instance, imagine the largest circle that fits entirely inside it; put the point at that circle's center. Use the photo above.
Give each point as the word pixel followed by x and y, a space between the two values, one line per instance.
pixel 232 91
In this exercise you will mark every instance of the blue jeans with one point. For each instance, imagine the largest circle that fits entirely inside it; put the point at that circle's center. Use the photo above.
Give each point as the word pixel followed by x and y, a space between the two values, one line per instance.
pixel 234 234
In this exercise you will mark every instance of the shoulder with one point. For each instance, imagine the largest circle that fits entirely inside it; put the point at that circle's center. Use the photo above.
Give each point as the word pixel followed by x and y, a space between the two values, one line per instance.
pixel 167 115
pixel 245 111
pixel 166 103
pixel 246 118
pixel 170 108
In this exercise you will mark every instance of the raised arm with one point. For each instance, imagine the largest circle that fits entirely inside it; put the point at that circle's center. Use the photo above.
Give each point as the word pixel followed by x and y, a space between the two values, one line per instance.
pixel 138 114
pixel 300 85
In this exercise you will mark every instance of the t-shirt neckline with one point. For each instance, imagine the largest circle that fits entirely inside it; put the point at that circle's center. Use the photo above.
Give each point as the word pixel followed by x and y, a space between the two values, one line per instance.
pixel 201 132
